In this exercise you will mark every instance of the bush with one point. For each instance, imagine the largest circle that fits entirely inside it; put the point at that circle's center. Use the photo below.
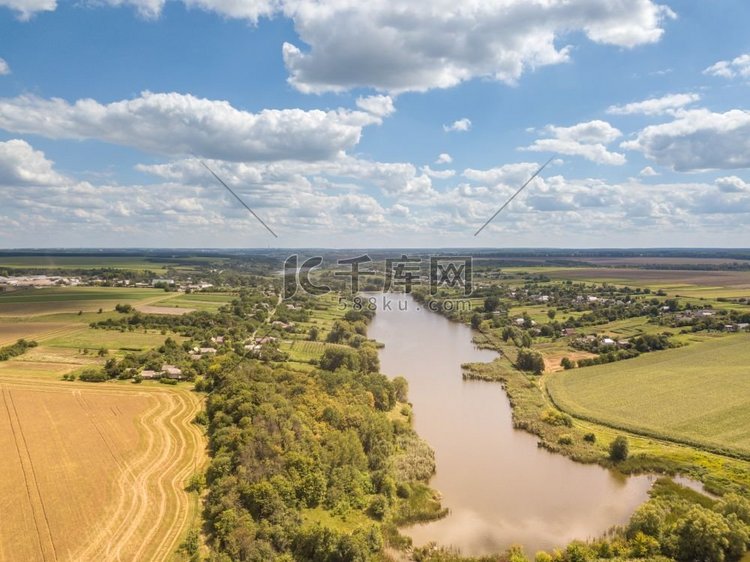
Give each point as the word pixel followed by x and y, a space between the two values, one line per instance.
pixel 567 363
pixel 565 440
pixel 619 449
pixel 590 438
pixel 93 375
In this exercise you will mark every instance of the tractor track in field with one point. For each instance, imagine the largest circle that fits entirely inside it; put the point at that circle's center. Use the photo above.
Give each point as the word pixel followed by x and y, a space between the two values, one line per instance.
pixel 29 475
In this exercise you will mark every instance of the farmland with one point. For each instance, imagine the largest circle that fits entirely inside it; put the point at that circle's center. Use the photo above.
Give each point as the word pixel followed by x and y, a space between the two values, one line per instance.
pixel 90 472
pixel 95 473
pixel 695 394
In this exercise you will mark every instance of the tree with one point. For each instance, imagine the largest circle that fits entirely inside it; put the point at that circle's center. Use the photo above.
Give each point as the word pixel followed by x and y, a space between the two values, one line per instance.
pixel 339 357
pixel 476 321
pixel 313 334
pixel 401 388
pixel 566 363
pixel 491 303
pixel 551 313
pixel 530 361
pixel 619 449
pixel 701 535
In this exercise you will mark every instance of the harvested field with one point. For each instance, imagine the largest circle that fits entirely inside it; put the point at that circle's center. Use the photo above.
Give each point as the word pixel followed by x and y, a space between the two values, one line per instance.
pixel 95 472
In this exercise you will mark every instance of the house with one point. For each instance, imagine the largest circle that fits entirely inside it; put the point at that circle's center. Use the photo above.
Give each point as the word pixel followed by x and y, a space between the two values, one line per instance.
pixel 218 339
pixel 266 339
pixel 743 326
pixel 149 374
pixel 623 344
pixel 196 356
pixel 519 321
pixel 207 350
pixel 172 372
pixel 569 331
pixel 730 328
pixel 607 341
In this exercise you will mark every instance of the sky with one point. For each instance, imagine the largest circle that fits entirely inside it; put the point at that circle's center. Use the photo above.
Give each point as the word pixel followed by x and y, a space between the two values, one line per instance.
pixel 386 123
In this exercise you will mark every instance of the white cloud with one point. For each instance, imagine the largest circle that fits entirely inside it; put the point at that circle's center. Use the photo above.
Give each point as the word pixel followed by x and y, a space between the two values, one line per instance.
pixel 655 106
pixel 382 106
pixel 180 124
pixel 588 140
pixel 20 164
pixel 739 66
pixel 732 184
pixel 461 125
pixel 26 8
pixel 698 140
pixel 438 174
pixel 4 67
pixel 648 172
pixel 444 158
pixel 507 175
pixel 413 46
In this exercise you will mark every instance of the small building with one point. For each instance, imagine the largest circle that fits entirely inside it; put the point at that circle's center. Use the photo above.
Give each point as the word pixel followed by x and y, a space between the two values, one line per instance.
pixel 207 350
pixel 608 341
pixel 569 331
pixel 172 372
pixel 218 339
pixel 149 374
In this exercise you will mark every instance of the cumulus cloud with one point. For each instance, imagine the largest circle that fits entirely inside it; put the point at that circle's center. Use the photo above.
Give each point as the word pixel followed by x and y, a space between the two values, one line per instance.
pixel 461 125
pixel 648 172
pixel 655 106
pixel 413 46
pixel 382 106
pixel 25 9
pixel 444 158
pixel 588 140
pixel 180 124
pixel 697 140
pixel 20 164
pixel 397 179
pixel 438 174
pixel 732 184
pixel 739 66
pixel 4 67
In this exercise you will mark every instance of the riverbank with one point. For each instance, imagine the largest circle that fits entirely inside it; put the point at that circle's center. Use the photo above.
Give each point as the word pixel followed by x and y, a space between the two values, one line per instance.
pixel 587 441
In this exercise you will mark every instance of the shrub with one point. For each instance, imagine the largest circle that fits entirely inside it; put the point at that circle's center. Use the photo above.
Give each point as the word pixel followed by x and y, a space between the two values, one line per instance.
pixel 619 449
pixel 590 438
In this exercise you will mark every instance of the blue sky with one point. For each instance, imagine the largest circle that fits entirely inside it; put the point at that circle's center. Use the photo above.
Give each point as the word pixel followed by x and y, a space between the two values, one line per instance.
pixel 386 123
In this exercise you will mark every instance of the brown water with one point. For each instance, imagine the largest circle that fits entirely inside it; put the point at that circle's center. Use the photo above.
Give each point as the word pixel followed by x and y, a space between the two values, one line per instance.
pixel 501 489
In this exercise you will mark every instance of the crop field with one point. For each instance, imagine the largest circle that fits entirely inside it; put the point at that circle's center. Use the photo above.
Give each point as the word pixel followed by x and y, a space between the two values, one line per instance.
pixel 83 262
pixel 697 394
pixel 210 302
pixel 34 302
pixel 705 284
pixel 95 472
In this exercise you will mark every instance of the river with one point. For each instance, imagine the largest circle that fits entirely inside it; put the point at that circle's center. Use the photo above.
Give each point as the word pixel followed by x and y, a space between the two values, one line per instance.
pixel 500 487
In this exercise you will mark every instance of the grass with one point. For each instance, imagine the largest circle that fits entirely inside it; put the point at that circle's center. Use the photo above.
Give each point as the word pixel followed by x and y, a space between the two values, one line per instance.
pixel 698 394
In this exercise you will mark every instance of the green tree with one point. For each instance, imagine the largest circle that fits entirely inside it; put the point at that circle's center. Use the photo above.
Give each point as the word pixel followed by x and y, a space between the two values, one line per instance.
pixel 619 449
pixel 701 535
pixel 476 321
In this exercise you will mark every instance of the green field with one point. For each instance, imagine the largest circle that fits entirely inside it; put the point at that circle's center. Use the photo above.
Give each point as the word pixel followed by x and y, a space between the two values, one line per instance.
pixel 698 394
